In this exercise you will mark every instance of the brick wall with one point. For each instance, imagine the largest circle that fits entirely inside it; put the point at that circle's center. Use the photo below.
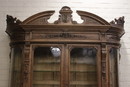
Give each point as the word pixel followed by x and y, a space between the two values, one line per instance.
pixel 107 9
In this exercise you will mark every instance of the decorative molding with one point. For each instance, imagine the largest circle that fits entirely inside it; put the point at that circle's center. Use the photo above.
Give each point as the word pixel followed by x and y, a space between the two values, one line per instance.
pixel 118 22
pixel 65 16
pixel 64 35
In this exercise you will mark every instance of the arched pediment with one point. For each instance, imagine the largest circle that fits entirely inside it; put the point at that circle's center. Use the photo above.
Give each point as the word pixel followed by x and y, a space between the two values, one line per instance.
pixel 89 18
pixel 65 17
pixel 39 18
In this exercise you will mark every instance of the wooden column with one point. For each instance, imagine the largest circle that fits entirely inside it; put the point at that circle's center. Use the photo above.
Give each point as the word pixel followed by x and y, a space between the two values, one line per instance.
pixel 27 62
pixel 65 68
pixel 104 65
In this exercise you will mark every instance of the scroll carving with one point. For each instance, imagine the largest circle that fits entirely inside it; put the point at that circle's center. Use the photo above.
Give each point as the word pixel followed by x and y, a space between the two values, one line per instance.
pixel 118 22
pixel 65 16
pixel 13 25
pixel 12 20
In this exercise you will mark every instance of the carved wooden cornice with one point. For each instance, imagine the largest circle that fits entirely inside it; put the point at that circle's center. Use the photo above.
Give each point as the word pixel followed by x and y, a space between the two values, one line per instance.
pixel 65 23
pixel 65 17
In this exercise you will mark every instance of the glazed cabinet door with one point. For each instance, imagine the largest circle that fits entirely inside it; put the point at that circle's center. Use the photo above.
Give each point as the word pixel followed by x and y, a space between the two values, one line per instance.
pixel 66 65
pixel 46 66
pixel 84 66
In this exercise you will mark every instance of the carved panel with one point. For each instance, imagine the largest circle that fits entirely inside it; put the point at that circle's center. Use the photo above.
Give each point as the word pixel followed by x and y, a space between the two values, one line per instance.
pixel 72 36
pixel 112 37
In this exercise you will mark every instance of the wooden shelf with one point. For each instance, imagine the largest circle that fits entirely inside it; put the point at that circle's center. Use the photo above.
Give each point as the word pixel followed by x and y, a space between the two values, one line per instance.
pixel 78 63
pixel 46 71
pixel 91 71
pixel 49 62
pixel 46 68
pixel 71 83
pixel 47 82
pixel 82 83
pixel 59 71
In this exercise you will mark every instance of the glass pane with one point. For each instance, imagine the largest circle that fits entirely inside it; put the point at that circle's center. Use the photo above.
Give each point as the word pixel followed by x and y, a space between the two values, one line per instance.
pixel 16 67
pixel 46 69
pixel 113 67
pixel 83 67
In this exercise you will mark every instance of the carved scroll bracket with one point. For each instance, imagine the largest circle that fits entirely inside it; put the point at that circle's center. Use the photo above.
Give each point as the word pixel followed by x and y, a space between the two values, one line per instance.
pixel 12 20
pixel 118 22
pixel 12 25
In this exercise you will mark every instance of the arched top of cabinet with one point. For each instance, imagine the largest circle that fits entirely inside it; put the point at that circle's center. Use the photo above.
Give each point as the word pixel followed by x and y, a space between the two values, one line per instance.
pixel 39 21
pixel 65 17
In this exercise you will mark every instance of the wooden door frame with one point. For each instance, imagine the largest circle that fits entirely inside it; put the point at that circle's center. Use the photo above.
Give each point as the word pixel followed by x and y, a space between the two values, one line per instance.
pixel 98 58
pixel 65 60
pixel 34 46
